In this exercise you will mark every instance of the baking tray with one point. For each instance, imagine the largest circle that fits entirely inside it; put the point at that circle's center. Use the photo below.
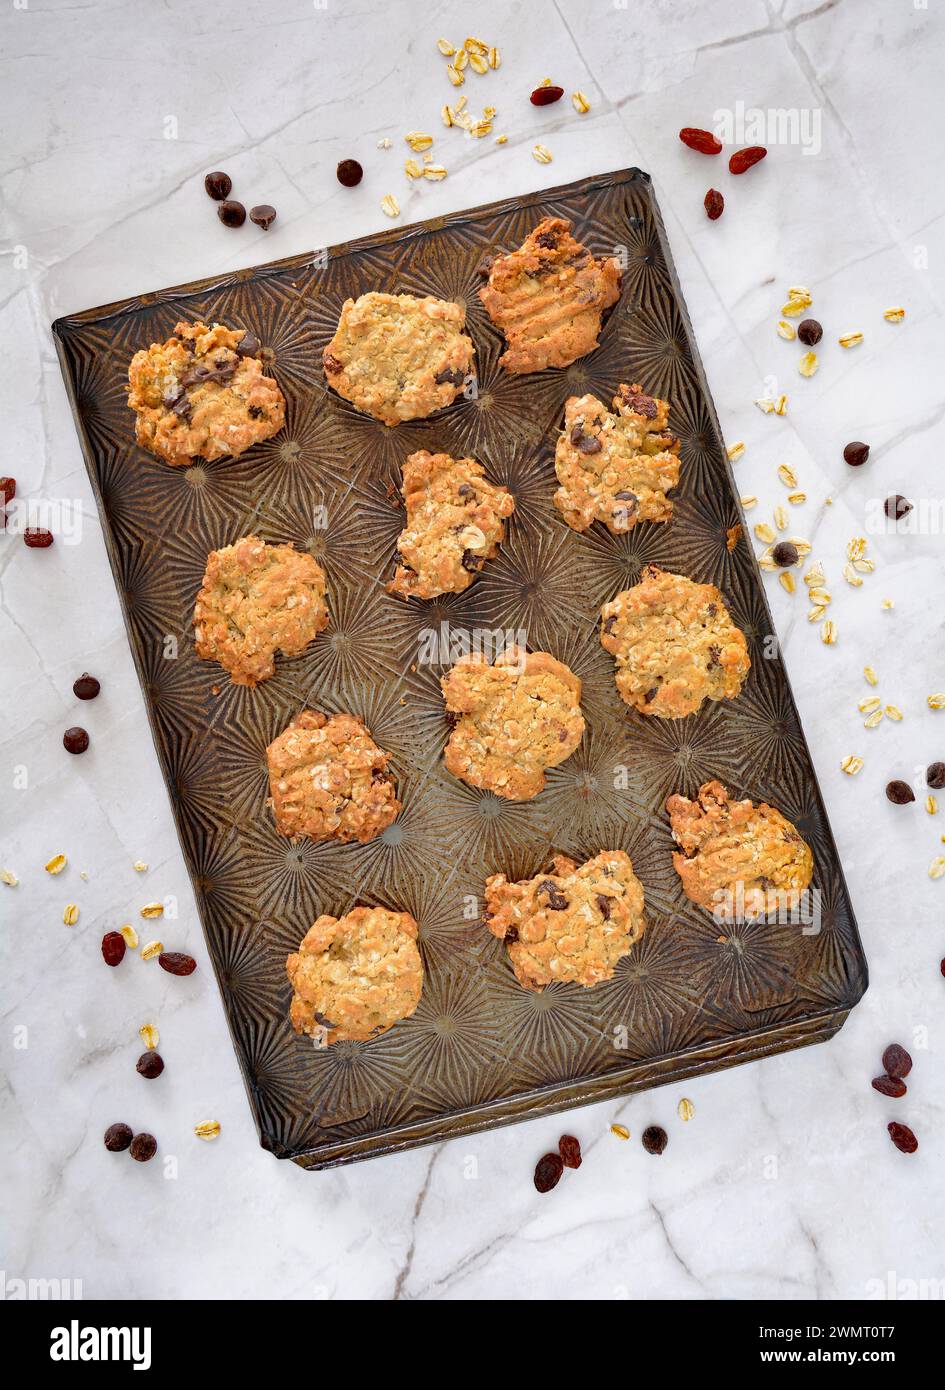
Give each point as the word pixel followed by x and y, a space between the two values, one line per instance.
pixel 480 1051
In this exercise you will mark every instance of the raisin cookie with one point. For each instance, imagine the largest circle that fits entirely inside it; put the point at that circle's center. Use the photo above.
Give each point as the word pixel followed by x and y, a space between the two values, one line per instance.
pixel 355 976
pixel 572 925
pixel 397 357
pixel 328 780
pixel 203 394
pixel 258 599
pixel 455 521
pixel 735 859
pixel 548 297
pixel 514 720
pixel 674 643
pixel 616 468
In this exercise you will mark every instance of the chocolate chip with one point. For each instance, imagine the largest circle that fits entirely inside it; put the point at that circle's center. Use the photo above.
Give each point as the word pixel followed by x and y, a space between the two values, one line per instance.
pixel 150 1065
pixel 712 609
pixel 218 185
pixel 322 1021
pixel 349 173
pixel 899 793
pixel 935 775
pixel 182 406
pixel 610 623
pixel 332 364
pixel 231 213
pixel 655 1139
pixel 466 491
pixel 856 453
pixel 897 507
pixel 651 695
pixel 248 345
pixel 472 562
pixel 557 902
pixel 118 1137
pixel 143 1147
pixel 451 375
pixel 626 497
pixel 785 553
pixel 587 443
pixel 86 687
pixel 263 214
pixel 511 935
pixel 75 740
pixel 547 240
pixel 605 905
pixel 810 332
pixel 222 370
pixel 255 412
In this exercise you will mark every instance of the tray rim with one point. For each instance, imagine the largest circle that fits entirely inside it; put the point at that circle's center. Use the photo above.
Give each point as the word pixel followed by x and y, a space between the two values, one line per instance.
pixel 559 1095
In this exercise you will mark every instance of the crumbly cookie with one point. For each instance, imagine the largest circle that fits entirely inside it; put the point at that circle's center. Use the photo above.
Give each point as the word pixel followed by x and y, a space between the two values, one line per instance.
pixel 515 719
pixel 616 468
pixel 455 521
pixel 355 976
pixel 737 860
pixel 674 643
pixel 328 780
pixel 397 357
pixel 573 924
pixel 203 394
pixel 547 298
pixel 258 599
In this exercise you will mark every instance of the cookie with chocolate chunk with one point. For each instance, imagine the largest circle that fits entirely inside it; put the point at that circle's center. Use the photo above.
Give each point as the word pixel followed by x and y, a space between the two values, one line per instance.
pixel 571 925
pixel 398 357
pixel 616 467
pixel 674 643
pixel 455 522
pixel 203 394
pixel 548 297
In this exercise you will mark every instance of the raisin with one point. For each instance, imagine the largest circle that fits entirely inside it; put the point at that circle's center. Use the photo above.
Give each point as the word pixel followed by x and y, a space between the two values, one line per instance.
pixel 117 1138
pixel 472 562
pixel 856 453
pixel 485 267
pixel 75 740
pixel 218 185
pixel 7 490
pixel 548 1172
pixel 113 948
pixel 903 1138
pixel 899 793
pixel 263 215
pixel 86 687
pixel 743 160
pixel 349 173
pixel 570 1150
pixel 332 364
pixel 231 213
pixel 37 537
pixel 655 1139
pixel 714 205
pixel 150 1065
pixel 546 96
pixel 703 141
pixel 255 412
pixel 176 963
pixel 889 1086
pixel 897 1061
pixel 557 902
pixel 143 1147
pixel 785 553
pixel 604 905
pixel 610 623
pixel 651 695
pixel 715 657
pixel 585 443
pixel 511 936
pixel 935 775
pixel 810 332
pixel 897 507
pixel 451 376
pixel 640 404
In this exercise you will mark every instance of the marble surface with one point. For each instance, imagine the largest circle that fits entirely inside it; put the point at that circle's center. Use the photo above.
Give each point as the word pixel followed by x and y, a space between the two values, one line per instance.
pixel 784 1184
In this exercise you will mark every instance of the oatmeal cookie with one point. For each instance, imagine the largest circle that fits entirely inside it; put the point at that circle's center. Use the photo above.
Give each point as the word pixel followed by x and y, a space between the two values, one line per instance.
pixel 737 860
pixel 455 521
pixel 258 599
pixel 674 643
pixel 355 976
pixel 203 394
pixel 515 719
pixel 616 468
pixel 328 780
pixel 397 357
pixel 573 924
pixel 548 297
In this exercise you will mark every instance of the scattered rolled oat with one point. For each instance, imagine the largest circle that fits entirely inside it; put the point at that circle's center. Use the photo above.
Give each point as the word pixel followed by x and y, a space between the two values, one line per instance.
pixel 153 948
pixel 871 676
pixel 149 1036
pixel 735 451
pixel 140 867
pixel 808 364
pixel 56 864
pixel 460 60
pixel 936 701
pixel 764 532
pixel 931 805
pixel 797 498
pixel 780 405
pixel 494 58
pixel 412 169
pixel 418 140
pixel 455 76
pixel 937 868
pixel 542 154
pixel 786 330
pixel 786 580
pixel 780 518
pixel 828 633
pixel 887 603
pixel 8 877
pixel 622 1132
pixel 795 307
pixel 385 144
pixel 390 205
pixel 873 721
pixel 685 1109
pixel 787 475
pixel 434 172
pixel 580 103
pixel 445 47
pixel 894 315
pixel 501 139
pixel 749 502
pixel 765 404
pixel 152 910
pixel 851 764
pixel 207 1129
pixel 894 712
pixel 871 703
pixel 848 340
pixel 130 935
pixel 71 914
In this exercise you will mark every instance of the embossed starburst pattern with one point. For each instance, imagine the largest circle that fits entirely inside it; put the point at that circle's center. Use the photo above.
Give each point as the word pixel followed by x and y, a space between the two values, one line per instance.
pixel 479 1050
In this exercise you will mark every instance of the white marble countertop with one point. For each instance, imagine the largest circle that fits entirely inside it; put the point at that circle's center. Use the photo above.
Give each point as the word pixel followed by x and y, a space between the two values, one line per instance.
pixel 784 1185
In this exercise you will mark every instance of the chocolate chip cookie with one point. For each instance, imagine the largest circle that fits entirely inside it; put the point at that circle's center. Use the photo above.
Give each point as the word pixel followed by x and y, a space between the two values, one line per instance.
pixel 737 860
pixel 203 394
pixel 397 357
pixel 355 976
pixel 616 468
pixel 258 599
pixel 572 925
pixel 455 521
pixel 328 780
pixel 548 297
pixel 514 720
pixel 674 643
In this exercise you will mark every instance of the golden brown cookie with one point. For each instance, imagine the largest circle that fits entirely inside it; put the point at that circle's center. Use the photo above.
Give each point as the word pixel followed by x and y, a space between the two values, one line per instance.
pixel 455 521
pixel 548 297
pixel 355 976
pixel 674 643
pixel 328 780
pixel 737 860
pixel 397 357
pixel 616 468
pixel 515 719
pixel 203 394
pixel 258 599
pixel 572 925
